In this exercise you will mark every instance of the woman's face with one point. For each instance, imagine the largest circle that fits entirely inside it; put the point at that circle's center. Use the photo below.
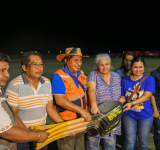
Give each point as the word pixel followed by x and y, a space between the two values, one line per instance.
pixel 127 61
pixel 104 66
pixel 138 68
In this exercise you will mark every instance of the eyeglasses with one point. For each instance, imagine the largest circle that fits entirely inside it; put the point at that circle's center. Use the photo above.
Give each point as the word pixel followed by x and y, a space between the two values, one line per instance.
pixel 36 65
pixel 127 61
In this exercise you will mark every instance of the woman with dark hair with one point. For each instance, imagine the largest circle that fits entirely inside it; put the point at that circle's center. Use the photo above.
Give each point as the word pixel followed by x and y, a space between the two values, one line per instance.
pixel 125 69
pixel 138 111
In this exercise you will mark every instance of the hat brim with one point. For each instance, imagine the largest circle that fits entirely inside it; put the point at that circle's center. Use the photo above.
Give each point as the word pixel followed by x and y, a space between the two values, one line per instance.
pixel 60 57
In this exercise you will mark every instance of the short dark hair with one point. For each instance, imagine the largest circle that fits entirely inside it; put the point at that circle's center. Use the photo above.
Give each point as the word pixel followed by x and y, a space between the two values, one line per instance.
pixel 26 57
pixel 4 57
pixel 138 59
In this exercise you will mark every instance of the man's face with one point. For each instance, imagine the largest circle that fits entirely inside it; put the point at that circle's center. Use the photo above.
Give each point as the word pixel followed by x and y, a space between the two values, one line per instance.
pixel 34 69
pixel 74 64
pixel 4 74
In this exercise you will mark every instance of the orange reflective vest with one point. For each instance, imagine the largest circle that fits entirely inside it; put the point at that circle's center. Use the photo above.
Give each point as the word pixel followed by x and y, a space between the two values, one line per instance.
pixel 73 94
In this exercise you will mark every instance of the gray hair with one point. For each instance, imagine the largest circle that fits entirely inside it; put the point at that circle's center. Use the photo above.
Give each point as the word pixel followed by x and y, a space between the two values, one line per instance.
pixel 100 56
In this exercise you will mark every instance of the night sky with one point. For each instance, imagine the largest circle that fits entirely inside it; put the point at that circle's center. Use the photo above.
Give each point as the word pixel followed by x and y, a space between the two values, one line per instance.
pixel 94 26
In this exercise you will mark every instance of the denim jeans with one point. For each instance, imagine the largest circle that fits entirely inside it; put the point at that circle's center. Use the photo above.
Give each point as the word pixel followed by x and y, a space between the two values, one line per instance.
pixel 92 143
pixel 29 146
pixel 156 124
pixel 137 126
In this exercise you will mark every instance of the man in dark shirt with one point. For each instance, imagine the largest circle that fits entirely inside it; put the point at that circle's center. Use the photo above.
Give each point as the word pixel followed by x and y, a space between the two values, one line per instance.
pixel 156 108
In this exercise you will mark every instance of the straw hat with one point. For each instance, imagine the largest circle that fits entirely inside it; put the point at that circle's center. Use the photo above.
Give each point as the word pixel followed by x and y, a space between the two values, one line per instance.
pixel 70 52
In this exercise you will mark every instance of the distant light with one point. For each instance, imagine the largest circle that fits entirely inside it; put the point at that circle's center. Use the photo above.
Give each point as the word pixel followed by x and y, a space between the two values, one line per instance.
pixel 21 52
pixel 117 56
pixel 60 51
pixel 53 55
pixel 86 54
pixel 48 51
pixel 41 56
pixel 109 51
pixel 123 51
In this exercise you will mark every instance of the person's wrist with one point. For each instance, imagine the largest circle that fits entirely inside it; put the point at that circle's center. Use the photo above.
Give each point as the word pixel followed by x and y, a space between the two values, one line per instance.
pixel 94 105
pixel 131 103
pixel 38 136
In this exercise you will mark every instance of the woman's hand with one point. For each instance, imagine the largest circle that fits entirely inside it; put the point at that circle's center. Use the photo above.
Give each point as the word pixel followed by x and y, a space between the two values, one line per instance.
pixel 94 110
pixel 127 107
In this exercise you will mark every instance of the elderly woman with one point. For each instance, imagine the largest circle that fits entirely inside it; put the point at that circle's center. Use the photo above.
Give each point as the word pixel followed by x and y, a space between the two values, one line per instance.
pixel 138 112
pixel 103 85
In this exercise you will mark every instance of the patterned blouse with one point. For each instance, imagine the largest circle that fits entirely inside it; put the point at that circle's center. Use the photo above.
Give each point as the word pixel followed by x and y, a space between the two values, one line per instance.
pixel 105 92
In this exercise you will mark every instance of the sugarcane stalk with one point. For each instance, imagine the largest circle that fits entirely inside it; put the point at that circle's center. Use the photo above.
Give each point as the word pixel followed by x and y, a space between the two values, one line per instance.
pixel 45 127
pixel 58 136
pixel 70 127
pixel 64 124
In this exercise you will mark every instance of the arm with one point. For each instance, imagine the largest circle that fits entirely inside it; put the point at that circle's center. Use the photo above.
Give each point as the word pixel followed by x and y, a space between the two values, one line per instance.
pixel 19 135
pixel 63 102
pixel 155 110
pixel 140 100
pixel 91 89
pixel 18 120
pixel 52 112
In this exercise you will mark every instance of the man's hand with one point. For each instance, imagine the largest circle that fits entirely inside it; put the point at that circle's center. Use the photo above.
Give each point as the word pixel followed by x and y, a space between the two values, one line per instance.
pixel 44 136
pixel 86 115
pixel 95 110
pixel 156 114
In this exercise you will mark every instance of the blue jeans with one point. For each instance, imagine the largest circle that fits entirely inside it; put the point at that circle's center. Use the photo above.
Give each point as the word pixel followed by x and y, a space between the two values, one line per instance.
pixel 92 143
pixel 156 124
pixel 133 127
pixel 29 146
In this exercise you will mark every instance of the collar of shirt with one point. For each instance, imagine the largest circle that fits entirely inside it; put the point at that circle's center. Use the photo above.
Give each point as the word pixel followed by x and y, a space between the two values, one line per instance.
pixel 41 81
pixel 26 81
pixel 66 70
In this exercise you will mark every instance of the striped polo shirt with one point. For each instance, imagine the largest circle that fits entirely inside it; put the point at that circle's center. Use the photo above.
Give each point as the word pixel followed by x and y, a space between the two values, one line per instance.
pixel 31 103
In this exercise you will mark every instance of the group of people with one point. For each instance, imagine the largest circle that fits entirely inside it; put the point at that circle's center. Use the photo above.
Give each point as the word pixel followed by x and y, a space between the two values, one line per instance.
pixel 30 97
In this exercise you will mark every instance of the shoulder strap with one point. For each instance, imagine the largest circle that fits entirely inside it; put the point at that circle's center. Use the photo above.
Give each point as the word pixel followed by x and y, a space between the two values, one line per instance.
pixel 136 88
pixel 73 77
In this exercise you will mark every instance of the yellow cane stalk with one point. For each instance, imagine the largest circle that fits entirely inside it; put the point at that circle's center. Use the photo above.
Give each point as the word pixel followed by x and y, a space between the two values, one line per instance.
pixel 64 124
pixel 58 136
pixel 70 127
pixel 43 127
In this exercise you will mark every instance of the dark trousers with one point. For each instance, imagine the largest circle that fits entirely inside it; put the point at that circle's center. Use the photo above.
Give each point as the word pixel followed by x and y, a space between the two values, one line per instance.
pixel 29 146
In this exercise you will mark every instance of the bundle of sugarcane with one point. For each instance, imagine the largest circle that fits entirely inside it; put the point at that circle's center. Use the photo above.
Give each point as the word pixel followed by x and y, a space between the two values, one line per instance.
pixel 60 130
pixel 102 123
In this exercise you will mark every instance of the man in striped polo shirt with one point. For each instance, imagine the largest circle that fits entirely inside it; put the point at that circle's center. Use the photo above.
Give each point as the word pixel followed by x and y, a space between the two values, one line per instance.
pixel 30 96
pixel 9 131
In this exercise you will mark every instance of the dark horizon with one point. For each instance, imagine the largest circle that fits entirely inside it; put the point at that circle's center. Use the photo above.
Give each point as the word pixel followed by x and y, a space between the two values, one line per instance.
pixel 94 27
